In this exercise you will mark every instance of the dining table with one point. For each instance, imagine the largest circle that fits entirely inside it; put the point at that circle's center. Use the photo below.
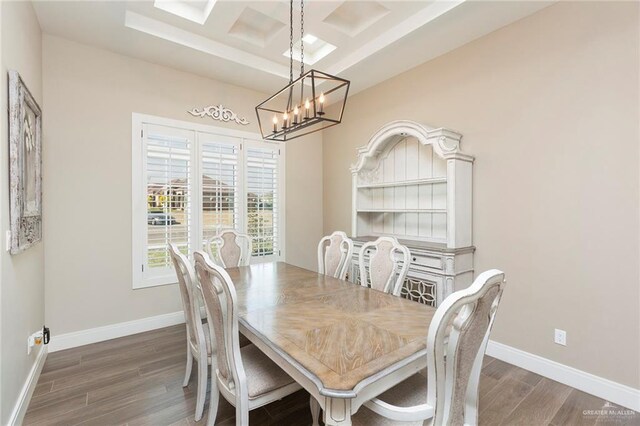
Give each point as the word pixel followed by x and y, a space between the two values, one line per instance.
pixel 342 342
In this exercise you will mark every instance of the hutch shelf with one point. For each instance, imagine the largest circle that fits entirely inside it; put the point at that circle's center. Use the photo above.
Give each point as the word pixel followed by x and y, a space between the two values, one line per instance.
pixel 413 182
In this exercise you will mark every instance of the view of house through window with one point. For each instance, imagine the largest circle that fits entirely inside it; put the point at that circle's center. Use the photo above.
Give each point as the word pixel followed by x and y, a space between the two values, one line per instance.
pixel 197 183
pixel 168 185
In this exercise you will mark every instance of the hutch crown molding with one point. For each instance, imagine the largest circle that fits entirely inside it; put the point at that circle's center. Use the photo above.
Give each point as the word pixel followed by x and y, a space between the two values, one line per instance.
pixel 414 183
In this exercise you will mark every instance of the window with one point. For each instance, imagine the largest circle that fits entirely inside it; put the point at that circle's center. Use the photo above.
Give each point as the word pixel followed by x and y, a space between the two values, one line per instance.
pixel 192 181
pixel 220 184
pixel 262 203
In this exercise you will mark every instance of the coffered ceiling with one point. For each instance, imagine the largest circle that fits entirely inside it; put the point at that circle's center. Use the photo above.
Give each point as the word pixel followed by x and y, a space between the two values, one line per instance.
pixel 247 42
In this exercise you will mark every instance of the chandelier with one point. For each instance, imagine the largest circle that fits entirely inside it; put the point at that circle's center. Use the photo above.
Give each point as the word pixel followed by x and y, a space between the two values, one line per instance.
pixel 312 102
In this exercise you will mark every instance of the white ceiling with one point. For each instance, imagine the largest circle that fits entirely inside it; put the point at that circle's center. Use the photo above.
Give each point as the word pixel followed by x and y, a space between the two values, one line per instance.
pixel 242 42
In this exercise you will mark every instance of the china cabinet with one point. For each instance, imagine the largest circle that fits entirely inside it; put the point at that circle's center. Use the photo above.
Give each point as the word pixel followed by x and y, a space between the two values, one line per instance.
pixel 414 183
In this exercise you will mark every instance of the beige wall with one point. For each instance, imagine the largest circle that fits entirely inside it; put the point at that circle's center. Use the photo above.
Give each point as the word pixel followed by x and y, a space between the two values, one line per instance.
pixel 89 96
pixel 22 280
pixel 304 200
pixel 549 107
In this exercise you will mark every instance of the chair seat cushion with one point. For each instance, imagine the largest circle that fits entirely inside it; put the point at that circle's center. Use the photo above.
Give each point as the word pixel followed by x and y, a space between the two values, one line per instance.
pixel 263 375
pixel 412 391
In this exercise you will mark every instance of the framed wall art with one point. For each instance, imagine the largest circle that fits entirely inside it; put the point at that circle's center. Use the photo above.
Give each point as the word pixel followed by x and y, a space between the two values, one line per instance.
pixel 25 165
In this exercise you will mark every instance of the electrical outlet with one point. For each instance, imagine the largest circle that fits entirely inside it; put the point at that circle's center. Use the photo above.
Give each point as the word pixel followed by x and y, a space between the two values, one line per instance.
pixel 560 337
pixel 34 339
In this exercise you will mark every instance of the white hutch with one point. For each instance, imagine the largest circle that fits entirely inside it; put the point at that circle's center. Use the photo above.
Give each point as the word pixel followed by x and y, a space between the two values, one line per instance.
pixel 413 182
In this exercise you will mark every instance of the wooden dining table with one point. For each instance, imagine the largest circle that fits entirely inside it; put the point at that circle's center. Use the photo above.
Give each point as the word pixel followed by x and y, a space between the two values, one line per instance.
pixel 344 343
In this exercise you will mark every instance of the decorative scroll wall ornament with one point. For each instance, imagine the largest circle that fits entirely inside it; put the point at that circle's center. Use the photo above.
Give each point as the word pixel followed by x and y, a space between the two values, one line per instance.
pixel 218 112
pixel 25 165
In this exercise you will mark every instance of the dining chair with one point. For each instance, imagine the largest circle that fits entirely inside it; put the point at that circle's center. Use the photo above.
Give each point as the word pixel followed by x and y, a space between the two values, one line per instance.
pixel 198 339
pixel 244 376
pixel 334 255
pixel 231 249
pixel 381 269
pixel 456 343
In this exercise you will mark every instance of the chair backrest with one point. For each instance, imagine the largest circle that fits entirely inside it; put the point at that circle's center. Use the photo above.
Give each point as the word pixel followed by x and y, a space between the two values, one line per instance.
pixel 456 343
pixel 222 314
pixel 191 296
pixel 231 249
pixel 381 271
pixel 334 255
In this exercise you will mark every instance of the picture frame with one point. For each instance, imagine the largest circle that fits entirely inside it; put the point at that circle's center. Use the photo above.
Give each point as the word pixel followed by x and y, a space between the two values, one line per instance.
pixel 25 166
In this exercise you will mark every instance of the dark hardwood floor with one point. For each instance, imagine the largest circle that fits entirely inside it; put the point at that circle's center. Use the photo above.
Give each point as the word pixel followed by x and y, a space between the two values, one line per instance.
pixel 137 380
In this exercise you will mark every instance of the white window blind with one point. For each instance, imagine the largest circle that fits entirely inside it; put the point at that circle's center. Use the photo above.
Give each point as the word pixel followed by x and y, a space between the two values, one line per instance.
pixel 190 182
pixel 168 177
pixel 262 201
pixel 220 184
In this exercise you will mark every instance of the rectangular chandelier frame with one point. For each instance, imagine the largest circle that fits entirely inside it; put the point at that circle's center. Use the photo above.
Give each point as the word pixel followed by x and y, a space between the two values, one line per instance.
pixel 314 117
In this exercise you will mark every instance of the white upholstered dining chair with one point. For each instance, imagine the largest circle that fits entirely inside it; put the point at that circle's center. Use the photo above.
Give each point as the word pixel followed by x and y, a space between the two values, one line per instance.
pixel 456 343
pixel 334 255
pixel 244 376
pixel 230 249
pixel 198 341
pixel 378 262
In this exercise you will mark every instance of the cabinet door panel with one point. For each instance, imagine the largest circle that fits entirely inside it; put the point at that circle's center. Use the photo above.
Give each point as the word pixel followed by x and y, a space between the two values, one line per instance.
pixel 420 290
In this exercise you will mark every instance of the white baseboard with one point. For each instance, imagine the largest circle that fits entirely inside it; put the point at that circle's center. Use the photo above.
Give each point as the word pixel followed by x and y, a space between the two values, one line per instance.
pixel 20 409
pixel 113 331
pixel 608 390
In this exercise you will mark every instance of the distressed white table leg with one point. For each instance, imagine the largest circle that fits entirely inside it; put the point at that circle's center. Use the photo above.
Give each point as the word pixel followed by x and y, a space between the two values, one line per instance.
pixel 315 411
pixel 337 411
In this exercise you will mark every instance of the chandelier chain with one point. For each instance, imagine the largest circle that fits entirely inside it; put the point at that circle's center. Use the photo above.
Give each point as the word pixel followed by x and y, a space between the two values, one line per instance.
pixel 301 37
pixel 291 42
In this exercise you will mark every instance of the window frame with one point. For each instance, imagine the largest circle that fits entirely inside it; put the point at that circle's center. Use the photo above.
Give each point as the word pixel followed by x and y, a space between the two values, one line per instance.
pixel 139 190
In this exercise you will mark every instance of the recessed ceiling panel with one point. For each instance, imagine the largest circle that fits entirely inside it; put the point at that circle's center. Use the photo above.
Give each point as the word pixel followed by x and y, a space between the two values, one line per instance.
pixel 194 10
pixel 352 18
pixel 255 27
pixel 314 49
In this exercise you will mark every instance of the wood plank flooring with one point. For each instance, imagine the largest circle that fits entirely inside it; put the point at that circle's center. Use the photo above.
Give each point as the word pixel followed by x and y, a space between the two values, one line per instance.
pixel 137 380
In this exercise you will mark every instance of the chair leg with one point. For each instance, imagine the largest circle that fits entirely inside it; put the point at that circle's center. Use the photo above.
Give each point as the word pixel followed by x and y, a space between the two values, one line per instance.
pixel 202 388
pixel 315 410
pixel 187 374
pixel 214 397
pixel 242 415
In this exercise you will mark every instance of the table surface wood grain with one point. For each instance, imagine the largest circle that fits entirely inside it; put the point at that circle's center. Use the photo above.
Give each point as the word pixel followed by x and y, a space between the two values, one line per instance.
pixel 337 331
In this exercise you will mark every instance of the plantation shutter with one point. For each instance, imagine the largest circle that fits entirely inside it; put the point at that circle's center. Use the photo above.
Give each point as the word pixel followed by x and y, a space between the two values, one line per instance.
pixel 263 201
pixel 220 184
pixel 168 177
pixel 192 182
